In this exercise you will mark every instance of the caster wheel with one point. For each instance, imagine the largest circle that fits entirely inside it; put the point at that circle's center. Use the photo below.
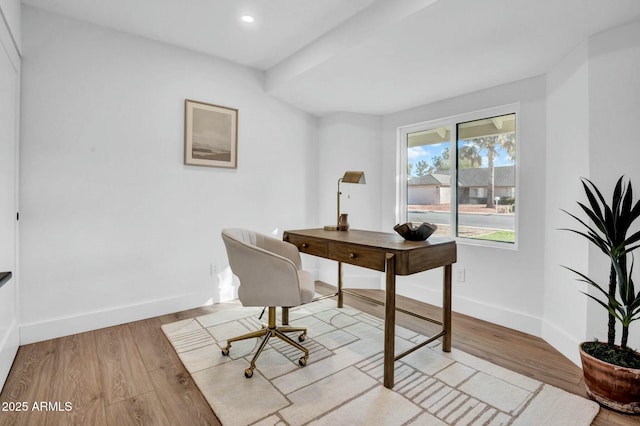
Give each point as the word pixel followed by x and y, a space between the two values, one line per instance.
pixel 225 351
pixel 302 337
pixel 248 373
pixel 302 361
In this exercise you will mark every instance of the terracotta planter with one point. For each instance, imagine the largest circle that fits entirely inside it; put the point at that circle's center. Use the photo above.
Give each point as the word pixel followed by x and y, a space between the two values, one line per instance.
pixel 613 386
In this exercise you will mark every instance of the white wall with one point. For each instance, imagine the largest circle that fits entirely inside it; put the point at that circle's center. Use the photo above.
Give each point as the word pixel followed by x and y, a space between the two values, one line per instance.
pixel 11 11
pixel 569 122
pixel 502 286
pixel 578 120
pixel 115 227
pixel 592 116
pixel 614 109
pixel 350 141
pixel 565 308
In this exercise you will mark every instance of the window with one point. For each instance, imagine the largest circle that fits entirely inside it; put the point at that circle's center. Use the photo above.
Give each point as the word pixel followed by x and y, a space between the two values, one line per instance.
pixel 460 173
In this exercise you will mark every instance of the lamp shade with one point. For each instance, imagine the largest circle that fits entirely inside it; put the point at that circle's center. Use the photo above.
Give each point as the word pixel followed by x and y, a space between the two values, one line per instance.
pixel 353 177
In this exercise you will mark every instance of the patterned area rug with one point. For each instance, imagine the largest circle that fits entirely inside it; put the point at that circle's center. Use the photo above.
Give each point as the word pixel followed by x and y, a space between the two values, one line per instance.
pixel 342 382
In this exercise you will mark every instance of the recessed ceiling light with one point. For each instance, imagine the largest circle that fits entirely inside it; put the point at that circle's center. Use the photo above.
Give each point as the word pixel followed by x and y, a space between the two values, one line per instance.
pixel 248 19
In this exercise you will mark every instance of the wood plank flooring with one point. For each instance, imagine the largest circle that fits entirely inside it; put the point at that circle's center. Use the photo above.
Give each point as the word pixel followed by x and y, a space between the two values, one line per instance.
pixel 130 375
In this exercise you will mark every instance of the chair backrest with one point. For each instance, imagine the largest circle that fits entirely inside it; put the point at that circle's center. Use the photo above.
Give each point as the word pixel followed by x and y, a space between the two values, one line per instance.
pixel 267 268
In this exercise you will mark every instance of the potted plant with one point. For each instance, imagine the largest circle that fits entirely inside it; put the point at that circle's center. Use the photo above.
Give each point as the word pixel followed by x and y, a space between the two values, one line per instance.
pixel 611 372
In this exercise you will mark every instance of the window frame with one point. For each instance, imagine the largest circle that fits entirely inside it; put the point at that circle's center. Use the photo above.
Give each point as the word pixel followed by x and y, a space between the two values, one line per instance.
pixel 452 122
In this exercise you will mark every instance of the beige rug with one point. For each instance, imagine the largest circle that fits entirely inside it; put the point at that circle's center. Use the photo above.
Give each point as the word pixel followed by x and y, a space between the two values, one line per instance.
pixel 342 382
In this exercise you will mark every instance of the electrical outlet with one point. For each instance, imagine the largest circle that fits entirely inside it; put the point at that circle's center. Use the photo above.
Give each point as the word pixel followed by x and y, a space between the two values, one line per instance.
pixel 213 269
pixel 460 275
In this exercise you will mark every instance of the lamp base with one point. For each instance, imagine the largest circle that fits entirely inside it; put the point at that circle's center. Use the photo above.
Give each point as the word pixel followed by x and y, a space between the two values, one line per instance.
pixel 331 228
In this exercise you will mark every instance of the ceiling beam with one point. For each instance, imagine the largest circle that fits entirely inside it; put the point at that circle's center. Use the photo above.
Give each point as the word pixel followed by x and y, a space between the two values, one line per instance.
pixel 348 35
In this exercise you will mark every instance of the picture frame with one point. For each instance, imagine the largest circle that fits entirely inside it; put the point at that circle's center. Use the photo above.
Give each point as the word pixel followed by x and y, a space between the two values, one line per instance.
pixel 210 135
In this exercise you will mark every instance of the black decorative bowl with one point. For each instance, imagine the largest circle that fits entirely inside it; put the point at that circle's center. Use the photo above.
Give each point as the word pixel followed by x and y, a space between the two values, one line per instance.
pixel 415 233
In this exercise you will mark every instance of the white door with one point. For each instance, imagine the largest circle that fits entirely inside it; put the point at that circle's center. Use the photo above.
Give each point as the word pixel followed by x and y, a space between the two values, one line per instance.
pixel 9 113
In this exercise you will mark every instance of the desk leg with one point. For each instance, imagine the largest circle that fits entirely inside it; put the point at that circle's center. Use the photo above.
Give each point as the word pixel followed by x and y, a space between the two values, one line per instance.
pixel 340 294
pixel 389 320
pixel 446 309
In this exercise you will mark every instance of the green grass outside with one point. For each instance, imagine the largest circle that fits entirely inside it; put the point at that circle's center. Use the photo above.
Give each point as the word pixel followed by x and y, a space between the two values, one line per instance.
pixel 501 236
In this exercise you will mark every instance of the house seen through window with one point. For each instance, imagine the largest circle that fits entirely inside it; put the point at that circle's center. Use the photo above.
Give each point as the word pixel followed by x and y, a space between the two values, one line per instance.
pixel 461 175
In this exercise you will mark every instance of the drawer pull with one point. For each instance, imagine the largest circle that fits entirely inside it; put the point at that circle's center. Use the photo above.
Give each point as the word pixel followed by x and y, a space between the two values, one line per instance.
pixel 305 245
pixel 352 255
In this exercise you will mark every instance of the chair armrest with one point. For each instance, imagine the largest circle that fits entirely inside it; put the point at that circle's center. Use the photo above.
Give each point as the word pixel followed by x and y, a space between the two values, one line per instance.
pixel 266 278
pixel 284 249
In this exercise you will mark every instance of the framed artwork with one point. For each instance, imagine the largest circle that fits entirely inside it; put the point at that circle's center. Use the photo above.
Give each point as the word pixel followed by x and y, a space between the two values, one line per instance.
pixel 210 135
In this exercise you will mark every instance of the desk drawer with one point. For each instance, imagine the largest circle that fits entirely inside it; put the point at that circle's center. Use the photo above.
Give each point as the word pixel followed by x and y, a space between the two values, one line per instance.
pixel 308 245
pixel 360 256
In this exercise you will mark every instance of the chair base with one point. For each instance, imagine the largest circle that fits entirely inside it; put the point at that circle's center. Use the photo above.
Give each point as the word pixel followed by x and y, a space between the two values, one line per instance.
pixel 269 331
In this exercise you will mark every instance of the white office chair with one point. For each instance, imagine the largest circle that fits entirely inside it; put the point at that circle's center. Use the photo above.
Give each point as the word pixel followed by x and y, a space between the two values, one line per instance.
pixel 270 275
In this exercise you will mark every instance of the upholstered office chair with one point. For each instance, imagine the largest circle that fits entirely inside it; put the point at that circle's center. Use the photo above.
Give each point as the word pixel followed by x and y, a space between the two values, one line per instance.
pixel 270 275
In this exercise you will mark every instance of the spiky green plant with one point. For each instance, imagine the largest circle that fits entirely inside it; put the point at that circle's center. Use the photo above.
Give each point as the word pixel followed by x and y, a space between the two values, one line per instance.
pixel 627 308
pixel 611 224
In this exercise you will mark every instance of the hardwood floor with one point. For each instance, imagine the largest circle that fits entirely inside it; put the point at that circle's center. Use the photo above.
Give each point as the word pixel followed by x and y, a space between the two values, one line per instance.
pixel 130 375
pixel 123 375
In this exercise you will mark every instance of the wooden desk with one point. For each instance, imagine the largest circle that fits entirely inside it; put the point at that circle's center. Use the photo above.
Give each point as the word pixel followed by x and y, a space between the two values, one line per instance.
pixel 388 253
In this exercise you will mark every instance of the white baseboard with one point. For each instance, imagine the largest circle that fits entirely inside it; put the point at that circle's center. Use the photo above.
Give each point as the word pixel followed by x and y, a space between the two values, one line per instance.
pixel 58 327
pixel 565 343
pixel 492 313
pixel 515 320
pixel 495 314
pixel 9 343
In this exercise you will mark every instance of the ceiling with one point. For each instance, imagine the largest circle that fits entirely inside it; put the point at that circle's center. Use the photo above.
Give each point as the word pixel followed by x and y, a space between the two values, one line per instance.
pixel 367 56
